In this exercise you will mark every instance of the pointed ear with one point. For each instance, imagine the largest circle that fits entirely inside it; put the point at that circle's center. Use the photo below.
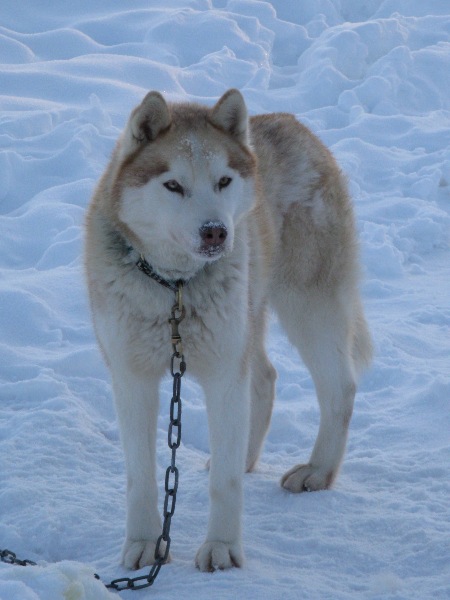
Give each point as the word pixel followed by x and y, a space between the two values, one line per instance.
pixel 230 115
pixel 150 117
pixel 146 122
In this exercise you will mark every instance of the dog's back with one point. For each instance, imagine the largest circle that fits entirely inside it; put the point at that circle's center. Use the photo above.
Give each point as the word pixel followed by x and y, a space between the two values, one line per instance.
pixel 316 250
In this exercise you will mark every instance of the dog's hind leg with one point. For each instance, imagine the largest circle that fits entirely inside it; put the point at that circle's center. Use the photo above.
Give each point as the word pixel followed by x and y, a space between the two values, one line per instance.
pixel 263 376
pixel 321 327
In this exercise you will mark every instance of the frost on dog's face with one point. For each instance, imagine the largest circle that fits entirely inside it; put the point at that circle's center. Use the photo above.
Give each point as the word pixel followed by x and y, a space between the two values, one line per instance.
pixel 186 179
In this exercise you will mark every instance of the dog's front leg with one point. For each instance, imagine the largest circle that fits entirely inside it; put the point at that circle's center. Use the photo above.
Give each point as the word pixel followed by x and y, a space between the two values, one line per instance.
pixel 137 401
pixel 227 402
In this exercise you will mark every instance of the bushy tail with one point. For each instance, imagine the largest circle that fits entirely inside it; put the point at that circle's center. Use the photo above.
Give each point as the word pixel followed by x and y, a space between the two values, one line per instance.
pixel 362 342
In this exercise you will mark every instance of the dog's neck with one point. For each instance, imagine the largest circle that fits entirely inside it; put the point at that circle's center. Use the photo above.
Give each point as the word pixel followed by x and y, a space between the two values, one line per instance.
pixel 148 270
pixel 125 249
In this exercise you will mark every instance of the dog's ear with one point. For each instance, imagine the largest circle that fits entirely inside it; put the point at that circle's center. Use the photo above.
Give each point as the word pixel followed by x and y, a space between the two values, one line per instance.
pixel 150 117
pixel 230 115
pixel 146 122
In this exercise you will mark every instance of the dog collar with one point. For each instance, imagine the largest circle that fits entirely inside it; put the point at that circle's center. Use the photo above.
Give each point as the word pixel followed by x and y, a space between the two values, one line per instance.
pixel 148 270
pixel 123 246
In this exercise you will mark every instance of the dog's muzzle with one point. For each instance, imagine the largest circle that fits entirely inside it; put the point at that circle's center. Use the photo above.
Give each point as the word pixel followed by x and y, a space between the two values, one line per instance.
pixel 212 235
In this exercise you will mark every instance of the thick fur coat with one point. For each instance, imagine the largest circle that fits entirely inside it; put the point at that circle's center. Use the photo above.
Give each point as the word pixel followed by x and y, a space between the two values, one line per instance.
pixel 250 214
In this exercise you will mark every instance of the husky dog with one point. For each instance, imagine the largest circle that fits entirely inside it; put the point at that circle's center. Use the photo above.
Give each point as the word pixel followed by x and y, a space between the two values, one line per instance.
pixel 250 214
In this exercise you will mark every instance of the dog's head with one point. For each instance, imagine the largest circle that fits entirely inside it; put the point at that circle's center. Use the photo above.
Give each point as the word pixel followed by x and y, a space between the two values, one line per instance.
pixel 184 178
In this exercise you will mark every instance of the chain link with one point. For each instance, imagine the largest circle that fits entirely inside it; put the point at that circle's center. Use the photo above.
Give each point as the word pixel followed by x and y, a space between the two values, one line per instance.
pixel 10 558
pixel 177 369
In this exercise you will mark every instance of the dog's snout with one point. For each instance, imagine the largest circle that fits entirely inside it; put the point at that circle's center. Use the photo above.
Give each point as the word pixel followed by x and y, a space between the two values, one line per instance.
pixel 213 233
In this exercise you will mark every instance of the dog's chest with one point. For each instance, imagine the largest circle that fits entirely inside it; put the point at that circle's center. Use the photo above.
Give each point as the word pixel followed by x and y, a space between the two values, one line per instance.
pixel 205 331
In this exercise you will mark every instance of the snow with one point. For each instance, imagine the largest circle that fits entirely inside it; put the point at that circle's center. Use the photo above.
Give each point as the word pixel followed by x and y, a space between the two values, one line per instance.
pixel 372 79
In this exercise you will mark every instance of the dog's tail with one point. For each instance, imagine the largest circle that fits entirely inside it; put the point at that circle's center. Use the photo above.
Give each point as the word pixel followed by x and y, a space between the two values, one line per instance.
pixel 362 341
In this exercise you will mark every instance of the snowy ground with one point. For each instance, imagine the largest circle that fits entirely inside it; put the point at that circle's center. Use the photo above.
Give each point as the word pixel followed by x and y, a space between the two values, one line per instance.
pixel 372 79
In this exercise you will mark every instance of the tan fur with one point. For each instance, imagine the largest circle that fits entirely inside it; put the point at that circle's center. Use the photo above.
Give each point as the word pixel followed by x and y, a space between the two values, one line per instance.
pixel 290 244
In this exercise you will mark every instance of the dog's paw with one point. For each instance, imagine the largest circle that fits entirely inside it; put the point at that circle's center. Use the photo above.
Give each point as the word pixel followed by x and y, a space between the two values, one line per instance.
pixel 306 478
pixel 219 555
pixel 140 553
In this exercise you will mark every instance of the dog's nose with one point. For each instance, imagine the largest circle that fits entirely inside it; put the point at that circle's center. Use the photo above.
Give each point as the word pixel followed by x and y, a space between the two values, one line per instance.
pixel 213 233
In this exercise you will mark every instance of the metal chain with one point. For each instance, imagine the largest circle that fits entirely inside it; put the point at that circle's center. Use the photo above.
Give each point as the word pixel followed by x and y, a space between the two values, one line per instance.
pixel 10 558
pixel 177 369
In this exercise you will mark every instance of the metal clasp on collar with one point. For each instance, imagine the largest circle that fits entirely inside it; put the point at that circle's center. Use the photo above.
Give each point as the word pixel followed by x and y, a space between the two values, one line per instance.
pixel 178 314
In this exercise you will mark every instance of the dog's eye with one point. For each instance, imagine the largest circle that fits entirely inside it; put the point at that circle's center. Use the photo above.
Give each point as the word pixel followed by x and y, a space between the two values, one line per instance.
pixel 224 182
pixel 174 186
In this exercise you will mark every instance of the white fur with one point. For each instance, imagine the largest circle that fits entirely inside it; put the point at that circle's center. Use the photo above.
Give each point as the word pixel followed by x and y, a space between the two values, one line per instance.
pixel 172 239
pixel 290 243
